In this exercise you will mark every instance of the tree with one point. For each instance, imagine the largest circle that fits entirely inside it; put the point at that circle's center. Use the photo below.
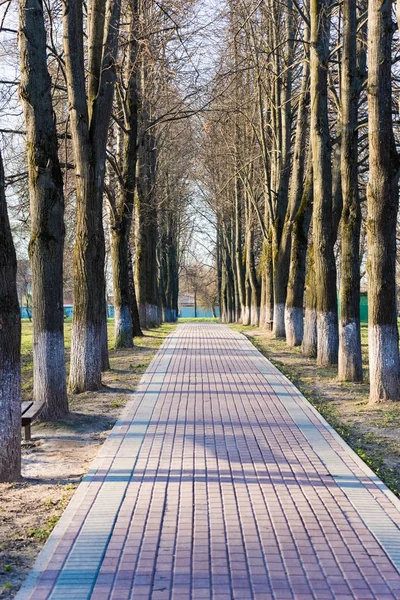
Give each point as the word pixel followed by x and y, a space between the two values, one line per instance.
pixel 350 358
pixel 47 214
pixel 122 202
pixel 382 197
pixel 10 340
pixel 294 237
pixel 90 117
pixel 324 259
pixel 146 231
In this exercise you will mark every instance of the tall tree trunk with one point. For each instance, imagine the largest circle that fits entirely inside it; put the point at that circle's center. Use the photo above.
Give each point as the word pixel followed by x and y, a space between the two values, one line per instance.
pixel 267 293
pixel 105 357
pixel 238 207
pixel 281 251
pixel 294 311
pixel 324 259
pixel 350 358
pixel 248 249
pixel 227 284
pixel 47 214
pixel 146 268
pixel 90 119
pixel 382 196
pixel 172 283
pixel 10 341
pixel 293 315
pixel 337 194
pixel 137 332
pixel 123 329
pixel 121 211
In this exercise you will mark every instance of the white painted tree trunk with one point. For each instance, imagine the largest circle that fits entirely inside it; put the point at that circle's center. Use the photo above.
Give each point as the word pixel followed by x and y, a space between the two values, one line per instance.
pixel 310 338
pixel 279 330
pixel 294 326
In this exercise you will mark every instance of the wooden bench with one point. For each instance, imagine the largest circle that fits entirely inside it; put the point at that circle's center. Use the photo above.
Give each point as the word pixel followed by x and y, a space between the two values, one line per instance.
pixel 268 325
pixel 29 410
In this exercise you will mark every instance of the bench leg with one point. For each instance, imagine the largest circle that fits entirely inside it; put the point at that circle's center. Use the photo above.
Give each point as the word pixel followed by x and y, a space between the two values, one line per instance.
pixel 27 432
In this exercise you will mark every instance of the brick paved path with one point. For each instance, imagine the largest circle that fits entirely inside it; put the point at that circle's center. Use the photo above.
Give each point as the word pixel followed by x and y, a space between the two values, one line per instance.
pixel 220 481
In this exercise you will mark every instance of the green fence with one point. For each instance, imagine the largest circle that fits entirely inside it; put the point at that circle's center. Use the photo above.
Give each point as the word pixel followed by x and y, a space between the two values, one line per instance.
pixel 363 308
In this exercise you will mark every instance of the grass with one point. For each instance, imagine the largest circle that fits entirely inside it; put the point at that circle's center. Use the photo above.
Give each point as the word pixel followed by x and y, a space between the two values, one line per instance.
pixel 42 533
pixel 200 320
pixel 372 431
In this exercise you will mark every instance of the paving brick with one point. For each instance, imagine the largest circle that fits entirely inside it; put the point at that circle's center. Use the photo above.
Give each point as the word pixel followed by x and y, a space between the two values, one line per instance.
pixel 221 482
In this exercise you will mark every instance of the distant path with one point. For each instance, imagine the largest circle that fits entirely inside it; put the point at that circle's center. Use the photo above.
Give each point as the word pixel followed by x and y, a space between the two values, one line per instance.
pixel 220 481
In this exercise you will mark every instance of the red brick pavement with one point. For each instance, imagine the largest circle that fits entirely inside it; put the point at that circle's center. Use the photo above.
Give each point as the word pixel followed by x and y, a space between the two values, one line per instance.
pixel 221 482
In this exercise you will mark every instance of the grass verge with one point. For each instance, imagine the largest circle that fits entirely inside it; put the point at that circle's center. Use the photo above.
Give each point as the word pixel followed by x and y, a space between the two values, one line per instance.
pixel 200 320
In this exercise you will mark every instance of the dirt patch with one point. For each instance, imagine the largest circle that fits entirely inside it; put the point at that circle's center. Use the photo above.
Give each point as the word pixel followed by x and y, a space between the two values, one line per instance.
pixel 57 459
pixel 373 431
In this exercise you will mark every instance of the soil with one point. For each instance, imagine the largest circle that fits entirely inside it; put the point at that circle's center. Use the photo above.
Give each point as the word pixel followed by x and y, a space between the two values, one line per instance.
pixel 58 457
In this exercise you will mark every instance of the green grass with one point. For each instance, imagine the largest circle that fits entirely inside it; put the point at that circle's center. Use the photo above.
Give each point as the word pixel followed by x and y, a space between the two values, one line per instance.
pixel 200 320
pixel 42 533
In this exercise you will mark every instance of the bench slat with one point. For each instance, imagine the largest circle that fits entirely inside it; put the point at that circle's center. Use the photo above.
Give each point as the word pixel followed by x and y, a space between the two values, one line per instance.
pixel 25 406
pixel 32 412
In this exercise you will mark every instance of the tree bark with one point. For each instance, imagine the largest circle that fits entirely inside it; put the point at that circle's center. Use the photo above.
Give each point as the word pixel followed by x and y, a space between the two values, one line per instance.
pixel 120 268
pixel 324 259
pixel 172 272
pixel 137 332
pixel 350 358
pixel 47 214
pixel 10 341
pixel 227 285
pixel 382 199
pixel 310 338
pixel 294 311
pixel 267 293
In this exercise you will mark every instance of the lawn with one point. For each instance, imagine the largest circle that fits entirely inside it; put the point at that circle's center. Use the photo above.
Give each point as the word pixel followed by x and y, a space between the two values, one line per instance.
pixel 200 320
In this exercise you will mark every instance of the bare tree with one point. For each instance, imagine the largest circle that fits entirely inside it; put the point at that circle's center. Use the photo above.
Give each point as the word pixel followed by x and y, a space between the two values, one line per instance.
pixel 122 202
pixel 350 358
pixel 90 116
pixel 47 214
pixel 324 259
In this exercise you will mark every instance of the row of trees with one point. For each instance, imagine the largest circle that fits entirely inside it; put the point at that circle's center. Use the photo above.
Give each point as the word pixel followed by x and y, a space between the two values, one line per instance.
pixel 296 159
pixel 301 134
pixel 100 99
